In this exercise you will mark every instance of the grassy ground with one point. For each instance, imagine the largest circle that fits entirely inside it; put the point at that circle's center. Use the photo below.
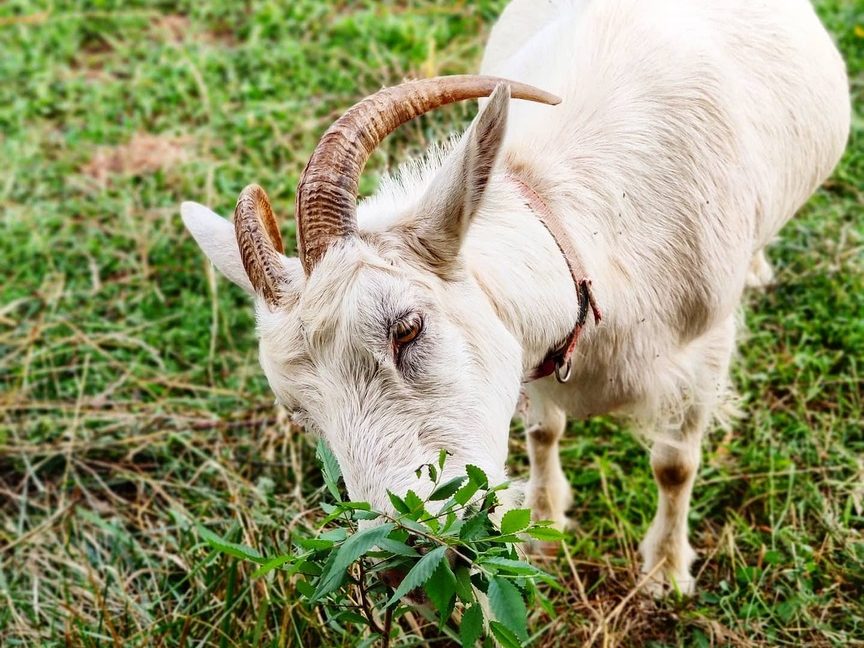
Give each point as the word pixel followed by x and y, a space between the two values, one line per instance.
pixel 132 406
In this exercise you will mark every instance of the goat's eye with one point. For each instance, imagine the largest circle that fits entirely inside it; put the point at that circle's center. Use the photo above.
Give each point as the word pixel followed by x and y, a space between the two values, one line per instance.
pixel 406 330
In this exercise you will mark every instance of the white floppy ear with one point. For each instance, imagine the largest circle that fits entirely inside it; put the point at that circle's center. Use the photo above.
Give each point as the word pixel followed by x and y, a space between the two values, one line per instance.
pixel 215 236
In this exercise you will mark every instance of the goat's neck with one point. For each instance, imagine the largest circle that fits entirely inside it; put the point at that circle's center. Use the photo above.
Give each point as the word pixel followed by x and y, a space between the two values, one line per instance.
pixel 520 268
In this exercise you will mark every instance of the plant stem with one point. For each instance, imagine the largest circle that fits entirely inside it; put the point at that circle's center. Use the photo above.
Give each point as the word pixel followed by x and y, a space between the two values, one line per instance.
pixel 361 585
pixel 388 624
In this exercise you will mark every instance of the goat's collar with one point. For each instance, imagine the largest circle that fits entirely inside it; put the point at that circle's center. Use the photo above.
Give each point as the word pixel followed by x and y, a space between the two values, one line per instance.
pixel 559 359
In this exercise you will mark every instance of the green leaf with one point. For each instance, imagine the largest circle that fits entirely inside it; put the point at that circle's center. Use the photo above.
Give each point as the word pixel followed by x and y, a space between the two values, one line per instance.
pixel 464 494
pixel 441 589
pixel 474 526
pixel 330 469
pixel 314 544
pixel 515 520
pixel 305 588
pixel 477 476
pixel 352 549
pixel 230 548
pixel 336 535
pixel 507 606
pixel 506 639
pixel 546 534
pixel 413 501
pixel 442 457
pixel 272 564
pixel 446 489
pixel 472 626
pixel 396 547
pixel 517 567
pixel 398 503
pixel 419 574
pixel 463 584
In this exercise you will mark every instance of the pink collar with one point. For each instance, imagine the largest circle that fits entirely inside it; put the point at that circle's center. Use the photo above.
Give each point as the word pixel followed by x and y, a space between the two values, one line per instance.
pixel 559 359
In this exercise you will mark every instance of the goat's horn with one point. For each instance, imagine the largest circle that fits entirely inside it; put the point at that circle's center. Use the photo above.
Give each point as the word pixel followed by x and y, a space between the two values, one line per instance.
pixel 327 193
pixel 260 242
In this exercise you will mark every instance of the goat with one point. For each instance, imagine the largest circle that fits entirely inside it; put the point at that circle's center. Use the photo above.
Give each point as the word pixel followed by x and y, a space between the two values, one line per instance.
pixel 688 133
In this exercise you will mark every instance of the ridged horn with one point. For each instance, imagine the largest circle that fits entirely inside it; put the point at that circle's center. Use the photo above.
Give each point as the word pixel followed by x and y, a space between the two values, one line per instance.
pixel 260 243
pixel 326 208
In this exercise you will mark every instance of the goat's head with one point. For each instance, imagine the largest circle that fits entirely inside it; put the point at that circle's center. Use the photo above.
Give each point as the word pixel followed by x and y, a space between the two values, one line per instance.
pixel 382 341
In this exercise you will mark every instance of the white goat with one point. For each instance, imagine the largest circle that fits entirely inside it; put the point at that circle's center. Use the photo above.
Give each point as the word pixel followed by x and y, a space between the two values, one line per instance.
pixel 690 131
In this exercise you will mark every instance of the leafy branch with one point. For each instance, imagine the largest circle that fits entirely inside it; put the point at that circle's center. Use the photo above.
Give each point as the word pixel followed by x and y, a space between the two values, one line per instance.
pixel 415 559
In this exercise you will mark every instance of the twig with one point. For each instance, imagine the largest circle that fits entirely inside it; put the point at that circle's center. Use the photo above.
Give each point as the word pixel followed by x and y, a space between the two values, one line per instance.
pixel 364 601
pixel 388 624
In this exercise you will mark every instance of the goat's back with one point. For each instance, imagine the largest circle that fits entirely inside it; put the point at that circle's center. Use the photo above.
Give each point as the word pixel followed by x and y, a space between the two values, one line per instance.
pixel 690 132
pixel 770 66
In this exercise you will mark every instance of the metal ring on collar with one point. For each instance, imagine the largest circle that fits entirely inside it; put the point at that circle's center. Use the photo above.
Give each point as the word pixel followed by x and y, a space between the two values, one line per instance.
pixel 563 371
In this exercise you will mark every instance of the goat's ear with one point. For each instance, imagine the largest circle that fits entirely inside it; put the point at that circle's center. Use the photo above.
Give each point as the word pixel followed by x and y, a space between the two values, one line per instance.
pixel 452 199
pixel 215 237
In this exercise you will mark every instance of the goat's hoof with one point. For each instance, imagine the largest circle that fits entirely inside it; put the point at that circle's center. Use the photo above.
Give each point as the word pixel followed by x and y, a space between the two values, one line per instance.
pixel 664 585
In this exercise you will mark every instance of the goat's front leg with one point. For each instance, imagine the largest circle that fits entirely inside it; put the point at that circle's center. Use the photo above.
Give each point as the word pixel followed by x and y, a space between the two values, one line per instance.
pixel 674 465
pixel 548 493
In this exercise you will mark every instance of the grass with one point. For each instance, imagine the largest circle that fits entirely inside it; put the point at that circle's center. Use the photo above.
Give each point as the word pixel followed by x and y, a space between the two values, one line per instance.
pixel 132 406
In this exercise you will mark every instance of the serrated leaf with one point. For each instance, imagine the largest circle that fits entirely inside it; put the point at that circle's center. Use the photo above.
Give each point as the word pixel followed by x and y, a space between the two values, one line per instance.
pixel 505 637
pixel 230 548
pixel 413 501
pixel 396 547
pixel 419 574
pixel 477 476
pixel 517 567
pixel 352 549
pixel 442 457
pixel 329 468
pixel 441 588
pixel 463 584
pixel 515 520
pixel 398 503
pixel 474 527
pixel 546 534
pixel 270 565
pixel 472 626
pixel 507 606
pixel 446 489
pixel 449 522
pixel 464 494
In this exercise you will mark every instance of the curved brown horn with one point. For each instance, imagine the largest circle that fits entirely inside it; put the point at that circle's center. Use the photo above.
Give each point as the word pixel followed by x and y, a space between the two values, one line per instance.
pixel 260 242
pixel 327 193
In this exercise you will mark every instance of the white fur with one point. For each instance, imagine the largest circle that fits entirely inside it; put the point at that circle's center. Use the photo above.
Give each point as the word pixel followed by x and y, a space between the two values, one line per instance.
pixel 690 132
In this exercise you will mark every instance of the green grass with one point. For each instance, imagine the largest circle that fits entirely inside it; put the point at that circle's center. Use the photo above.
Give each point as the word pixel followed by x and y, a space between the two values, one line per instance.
pixel 132 406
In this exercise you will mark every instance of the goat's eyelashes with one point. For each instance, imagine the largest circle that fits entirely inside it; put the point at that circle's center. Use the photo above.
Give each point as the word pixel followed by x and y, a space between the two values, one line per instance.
pixel 405 330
